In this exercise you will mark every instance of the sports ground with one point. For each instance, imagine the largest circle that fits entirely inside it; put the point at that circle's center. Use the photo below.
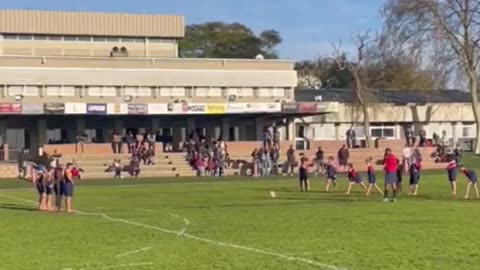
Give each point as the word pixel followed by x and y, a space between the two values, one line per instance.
pixel 233 223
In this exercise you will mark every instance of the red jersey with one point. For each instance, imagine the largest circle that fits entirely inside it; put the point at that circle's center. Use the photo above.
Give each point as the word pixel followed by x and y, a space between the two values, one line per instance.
pixel 390 163
pixel 452 165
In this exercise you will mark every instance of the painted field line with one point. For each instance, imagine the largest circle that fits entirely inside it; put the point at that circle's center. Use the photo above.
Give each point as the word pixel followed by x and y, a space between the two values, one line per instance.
pixel 200 239
pixel 133 252
pixel 115 266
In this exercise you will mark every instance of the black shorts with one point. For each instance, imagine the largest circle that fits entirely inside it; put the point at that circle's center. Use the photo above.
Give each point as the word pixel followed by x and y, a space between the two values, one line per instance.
pixel 68 189
pixel 49 189
pixel 414 178
pixel 40 187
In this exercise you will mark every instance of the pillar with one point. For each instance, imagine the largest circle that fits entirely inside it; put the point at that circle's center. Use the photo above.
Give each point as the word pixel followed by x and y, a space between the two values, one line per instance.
pixel 259 127
pixel 190 124
pixel 225 128
pixel 242 136
pixel 3 131
pixel 38 135
pixel 155 124
pixel 291 130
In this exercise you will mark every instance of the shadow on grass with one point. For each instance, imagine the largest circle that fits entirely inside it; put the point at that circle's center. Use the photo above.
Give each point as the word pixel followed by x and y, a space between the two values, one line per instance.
pixel 16 207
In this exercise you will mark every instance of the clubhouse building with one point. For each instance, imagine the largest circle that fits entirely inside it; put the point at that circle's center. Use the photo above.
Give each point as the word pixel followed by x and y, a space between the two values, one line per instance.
pixel 62 73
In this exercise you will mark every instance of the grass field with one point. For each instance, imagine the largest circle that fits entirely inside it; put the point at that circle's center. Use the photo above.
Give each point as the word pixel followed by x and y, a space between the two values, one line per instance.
pixel 233 223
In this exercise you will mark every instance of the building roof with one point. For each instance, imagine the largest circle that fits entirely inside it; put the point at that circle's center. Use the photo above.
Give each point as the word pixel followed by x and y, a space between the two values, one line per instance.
pixel 398 97
pixel 90 24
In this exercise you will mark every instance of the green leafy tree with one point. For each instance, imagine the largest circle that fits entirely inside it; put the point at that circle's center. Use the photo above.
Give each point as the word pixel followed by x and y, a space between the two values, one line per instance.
pixel 228 40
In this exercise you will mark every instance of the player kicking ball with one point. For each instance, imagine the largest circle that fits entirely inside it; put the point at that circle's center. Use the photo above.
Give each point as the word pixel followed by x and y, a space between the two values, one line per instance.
pixel 354 179
pixel 372 178
pixel 472 181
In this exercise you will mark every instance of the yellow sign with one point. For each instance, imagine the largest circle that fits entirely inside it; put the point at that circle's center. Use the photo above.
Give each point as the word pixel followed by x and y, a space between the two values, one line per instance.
pixel 216 108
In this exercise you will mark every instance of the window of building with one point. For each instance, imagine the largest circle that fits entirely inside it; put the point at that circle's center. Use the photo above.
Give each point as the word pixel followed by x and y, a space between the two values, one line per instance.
pixel 113 39
pixel 55 38
pixel 20 90
pixel 172 91
pixel 138 91
pixel 468 130
pixel 271 92
pixel 126 40
pixel 99 39
pixel 240 92
pixel 60 91
pixel 161 40
pixel 70 38
pixel 84 38
pixel 208 92
pixel 382 131
pixel 25 37
pixel 10 36
pixel 40 37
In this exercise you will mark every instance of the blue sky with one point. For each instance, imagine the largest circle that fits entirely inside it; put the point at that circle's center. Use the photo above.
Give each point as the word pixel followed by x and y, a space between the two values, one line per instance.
pixel 307 26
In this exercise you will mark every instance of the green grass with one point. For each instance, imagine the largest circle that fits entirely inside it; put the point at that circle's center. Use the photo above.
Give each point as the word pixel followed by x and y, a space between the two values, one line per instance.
pixel 234 224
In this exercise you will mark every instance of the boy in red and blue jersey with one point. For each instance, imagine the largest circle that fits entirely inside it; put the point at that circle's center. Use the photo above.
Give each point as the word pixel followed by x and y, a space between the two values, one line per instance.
pixel 414 171
pixel 452 175
pixel 372 179
pixel 331 174
pixel 354 178
pixel 472 181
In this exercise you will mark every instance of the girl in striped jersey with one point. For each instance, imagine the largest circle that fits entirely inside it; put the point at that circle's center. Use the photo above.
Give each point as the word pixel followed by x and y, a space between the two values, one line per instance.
pixel 372 179
pixel 452 176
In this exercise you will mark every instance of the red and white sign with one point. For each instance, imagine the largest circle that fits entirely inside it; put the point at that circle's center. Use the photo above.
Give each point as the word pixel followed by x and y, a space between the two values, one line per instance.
pixel 10 108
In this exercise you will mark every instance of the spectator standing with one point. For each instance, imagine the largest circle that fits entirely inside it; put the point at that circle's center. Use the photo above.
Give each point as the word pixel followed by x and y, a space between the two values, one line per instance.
pixel 256 162
pixel 130 139
pixel 407 157
pixel 55 159
pixel 275 156
pixel 80 141
pixel 291 162
pixel 23 157
pixel 350 138
pixel 457 153
pixel 151 139
pixel 319 156
pixel 423 138
pixel 116 142
pixel 343 155
pixel 276 138
pixel 410 137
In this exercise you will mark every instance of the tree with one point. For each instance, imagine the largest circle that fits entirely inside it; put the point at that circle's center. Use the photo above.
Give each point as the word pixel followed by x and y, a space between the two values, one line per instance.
pixel 322 72
pixel 454 25
pixel 224 40
pixel 360 68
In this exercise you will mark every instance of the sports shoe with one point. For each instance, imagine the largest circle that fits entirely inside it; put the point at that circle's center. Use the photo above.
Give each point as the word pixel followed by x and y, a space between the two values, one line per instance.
pixel 385 200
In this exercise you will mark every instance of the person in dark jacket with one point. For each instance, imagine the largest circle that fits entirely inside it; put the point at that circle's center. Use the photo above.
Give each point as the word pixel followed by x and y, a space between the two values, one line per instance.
pixel 343 155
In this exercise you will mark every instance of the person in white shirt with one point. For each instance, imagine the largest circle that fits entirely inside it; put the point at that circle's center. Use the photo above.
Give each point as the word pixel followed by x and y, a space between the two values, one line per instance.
pixel 407 157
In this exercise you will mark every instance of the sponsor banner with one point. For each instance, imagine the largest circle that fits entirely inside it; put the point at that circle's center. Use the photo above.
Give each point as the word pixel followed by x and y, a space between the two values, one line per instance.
pixel 10 108
pixel 236 107
pixel 307 107
pixel 117 108
pixel 216 108
pixel 137 108
pixel 185 108
pixel 290 107
pixel 158 108
pixel 327 107
pixel 32 108
pixel 54 108
pixel 75 108
pixel 263 107
pixel 99 109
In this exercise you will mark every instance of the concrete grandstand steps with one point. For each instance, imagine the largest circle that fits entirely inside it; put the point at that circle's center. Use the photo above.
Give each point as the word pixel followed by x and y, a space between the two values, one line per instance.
pixel 143 174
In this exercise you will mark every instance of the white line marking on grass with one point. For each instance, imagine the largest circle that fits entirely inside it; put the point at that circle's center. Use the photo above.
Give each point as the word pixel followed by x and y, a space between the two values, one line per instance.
pixel 127 265
pixel 201 239
pixel 185 221
pixel 133 252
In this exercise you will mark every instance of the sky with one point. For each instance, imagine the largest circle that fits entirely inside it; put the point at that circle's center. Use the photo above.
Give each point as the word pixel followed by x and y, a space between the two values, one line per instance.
pixel 308 27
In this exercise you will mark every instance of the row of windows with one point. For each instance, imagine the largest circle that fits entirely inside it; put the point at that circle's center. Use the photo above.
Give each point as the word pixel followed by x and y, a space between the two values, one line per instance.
pixel 112 91
pixel 86 38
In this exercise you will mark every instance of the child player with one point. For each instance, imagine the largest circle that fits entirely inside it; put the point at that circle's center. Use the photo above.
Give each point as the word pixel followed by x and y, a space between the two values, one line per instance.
pixel 472 181
pixel 68 187
pixel 331 174
pixel 372 179
pixel 49 187
pixel 38 178
pixel 303 175
pixel 354 179
pixel 452 175
pixel 399 177
pixel 414 171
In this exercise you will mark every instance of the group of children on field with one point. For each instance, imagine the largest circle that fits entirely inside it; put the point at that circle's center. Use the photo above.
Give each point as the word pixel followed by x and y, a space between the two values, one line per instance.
pixel 393 176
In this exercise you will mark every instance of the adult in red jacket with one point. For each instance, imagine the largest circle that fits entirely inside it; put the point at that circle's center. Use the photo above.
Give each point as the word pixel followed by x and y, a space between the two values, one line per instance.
pixel 390 167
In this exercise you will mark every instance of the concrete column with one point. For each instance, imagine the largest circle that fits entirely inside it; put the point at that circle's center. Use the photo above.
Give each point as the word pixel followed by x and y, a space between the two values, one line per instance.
pixel 38 135
pixel 155 124
pixel 242 132
pixel 190 124
pixel 3 131
pixel 259 126
pixel 291 130
pixel 337 132
pixel 225 128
